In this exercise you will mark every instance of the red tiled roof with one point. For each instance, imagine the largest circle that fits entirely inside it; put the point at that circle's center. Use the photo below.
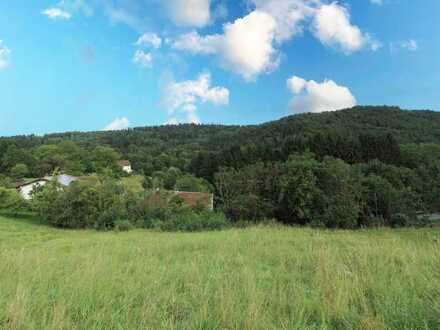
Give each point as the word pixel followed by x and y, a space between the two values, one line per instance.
pixel 124 163
pixel 194 199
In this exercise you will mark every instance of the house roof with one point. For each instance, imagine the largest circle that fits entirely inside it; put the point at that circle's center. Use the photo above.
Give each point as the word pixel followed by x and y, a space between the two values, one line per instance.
pixel 29 182
pixel 63 179
pixel 124 162
pixel 193 199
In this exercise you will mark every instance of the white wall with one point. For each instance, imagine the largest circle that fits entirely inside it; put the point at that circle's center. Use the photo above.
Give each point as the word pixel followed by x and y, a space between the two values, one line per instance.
pixel 25 191
pixel 127 169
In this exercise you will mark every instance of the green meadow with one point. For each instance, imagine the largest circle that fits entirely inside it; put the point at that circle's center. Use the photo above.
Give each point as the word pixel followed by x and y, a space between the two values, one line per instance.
pixel 254 278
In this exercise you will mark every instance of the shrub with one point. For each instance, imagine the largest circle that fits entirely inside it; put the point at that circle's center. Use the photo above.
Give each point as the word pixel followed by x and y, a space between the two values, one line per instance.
pixel 185 220
pixel 11 202
pixel 95 203
pixel 123 225
pixel 19 171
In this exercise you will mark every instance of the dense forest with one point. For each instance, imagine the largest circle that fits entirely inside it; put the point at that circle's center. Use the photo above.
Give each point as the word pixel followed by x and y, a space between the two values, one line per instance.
pixel 358 167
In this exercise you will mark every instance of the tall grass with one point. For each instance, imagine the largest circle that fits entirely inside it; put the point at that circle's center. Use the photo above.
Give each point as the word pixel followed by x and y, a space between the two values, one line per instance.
pixel 258 278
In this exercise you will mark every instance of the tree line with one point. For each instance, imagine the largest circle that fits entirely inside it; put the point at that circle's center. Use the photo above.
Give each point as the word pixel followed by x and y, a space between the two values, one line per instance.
pixel 359 167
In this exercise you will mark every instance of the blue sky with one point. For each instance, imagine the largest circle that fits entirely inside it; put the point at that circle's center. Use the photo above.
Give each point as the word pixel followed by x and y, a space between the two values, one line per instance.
pixel 86 65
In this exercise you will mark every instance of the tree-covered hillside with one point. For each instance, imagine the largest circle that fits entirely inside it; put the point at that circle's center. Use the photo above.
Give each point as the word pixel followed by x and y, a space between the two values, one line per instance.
pixel 152 148
pixel 356 167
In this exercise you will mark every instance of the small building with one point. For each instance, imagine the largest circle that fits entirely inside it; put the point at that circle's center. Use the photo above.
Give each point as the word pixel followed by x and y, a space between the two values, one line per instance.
pixel 196 199
pixel 63 179
pixel 26 188
pixel 126 166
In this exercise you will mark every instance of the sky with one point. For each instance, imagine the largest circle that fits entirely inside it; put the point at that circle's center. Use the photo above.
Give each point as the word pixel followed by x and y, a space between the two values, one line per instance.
pixel 88 65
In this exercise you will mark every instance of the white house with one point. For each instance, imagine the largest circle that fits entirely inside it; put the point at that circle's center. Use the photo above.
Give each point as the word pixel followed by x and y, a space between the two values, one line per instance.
pixel 25 189
pixel 126 166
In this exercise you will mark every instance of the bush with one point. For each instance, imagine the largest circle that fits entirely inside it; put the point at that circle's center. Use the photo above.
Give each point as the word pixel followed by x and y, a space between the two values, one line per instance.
pixel 185 220
pixel 95 203
pixel 123 225
pixel 11 202
pixel 19 171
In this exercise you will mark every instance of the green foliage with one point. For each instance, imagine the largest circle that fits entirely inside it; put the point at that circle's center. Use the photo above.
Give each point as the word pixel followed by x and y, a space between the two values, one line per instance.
pixel 20 171
pixel 368 162
pixel 11 202
pixel 104 203
pixel 192 184
pixel 104 157
pixel 94 203
pixel 330 193
pixel 123 225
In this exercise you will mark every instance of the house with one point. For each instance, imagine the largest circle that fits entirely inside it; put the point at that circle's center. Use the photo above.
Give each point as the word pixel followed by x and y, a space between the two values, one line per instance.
pixel 196 199
pixel 126 166
pixel 26 188
pixel 63 179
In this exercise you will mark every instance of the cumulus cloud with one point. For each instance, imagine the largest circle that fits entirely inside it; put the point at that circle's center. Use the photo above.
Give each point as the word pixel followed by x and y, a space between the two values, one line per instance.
pixel 66 8
pixel 332 26
pixel 245 47
pixel 194 43
pixel 251 44
pixel 118 124
pixel 311 96
pixel 194 13
pixel 57 14
pixel 143 59
pixel 182 98
pixel 149 40
pixel 290 15
pixel 5 53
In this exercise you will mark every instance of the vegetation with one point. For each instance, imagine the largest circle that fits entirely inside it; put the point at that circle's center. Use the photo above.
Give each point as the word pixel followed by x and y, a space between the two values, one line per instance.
pixel 104 203
pixel 362 167
pixel 258 278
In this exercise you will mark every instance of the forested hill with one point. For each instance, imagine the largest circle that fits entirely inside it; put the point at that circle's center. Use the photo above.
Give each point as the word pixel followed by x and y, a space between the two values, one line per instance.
pixel 365 166
pixel 354 135
pixel 417 126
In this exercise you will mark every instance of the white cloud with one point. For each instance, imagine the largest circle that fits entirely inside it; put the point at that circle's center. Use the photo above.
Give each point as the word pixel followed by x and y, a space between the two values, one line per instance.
pixel 118 124
pixel 57 14
pixel 333 28
pixel 311 96
pixel 250 45
pixel 195 13
pixel 296 84
pixel 377 2
pixel 184 97
pixel 194 43
pixel 245 47
pixel 143 59
pixel 149 40
pixel 409 45
pixel 288 14
pixel 5 53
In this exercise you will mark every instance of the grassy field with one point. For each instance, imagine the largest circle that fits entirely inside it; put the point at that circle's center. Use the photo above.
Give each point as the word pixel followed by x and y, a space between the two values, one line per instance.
pixel 258 278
